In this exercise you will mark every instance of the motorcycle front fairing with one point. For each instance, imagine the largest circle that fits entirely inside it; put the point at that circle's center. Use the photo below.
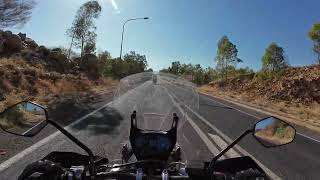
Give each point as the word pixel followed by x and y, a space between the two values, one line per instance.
pixel 152 144
pixel 154 128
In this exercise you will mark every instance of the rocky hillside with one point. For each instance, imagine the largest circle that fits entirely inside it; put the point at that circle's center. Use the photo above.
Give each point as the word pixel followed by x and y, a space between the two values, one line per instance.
pixel 32 72
pixel 297 84
pixel 20 46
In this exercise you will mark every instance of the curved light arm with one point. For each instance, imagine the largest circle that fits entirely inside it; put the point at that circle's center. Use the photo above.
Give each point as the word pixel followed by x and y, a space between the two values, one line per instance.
pixel 132 19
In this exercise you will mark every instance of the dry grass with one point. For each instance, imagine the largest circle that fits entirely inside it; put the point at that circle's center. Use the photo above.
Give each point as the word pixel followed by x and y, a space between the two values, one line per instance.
pixel 19 63
pixel 22 81
pixel 105 83
pixel 61 87
pixel 304 115
pixel 10 100
pixel 30 117
pixel 276 138
pixel 4 123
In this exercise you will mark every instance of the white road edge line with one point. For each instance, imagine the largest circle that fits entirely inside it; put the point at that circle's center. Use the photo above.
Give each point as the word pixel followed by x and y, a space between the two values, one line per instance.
pixel 6 164
pixel 221 143
pixel 205 96
pixel 248 107
pixel 237 147
pixel 318 141
pixel 32 128
pixel 256 117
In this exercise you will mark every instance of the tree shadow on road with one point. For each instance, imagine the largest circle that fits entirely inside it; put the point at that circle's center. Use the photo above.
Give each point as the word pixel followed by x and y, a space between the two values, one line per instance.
pixel 68 110
pixel 101 122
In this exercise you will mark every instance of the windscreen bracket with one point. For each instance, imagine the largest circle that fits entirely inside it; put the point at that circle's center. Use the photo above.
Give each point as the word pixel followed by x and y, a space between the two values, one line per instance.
pixel 175 121
pixel 134 120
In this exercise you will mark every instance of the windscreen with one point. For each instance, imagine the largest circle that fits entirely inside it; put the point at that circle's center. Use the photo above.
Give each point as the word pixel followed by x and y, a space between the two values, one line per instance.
pixel 153 96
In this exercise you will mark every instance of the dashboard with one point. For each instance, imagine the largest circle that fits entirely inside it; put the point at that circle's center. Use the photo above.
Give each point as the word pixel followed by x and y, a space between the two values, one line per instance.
pixel 152 145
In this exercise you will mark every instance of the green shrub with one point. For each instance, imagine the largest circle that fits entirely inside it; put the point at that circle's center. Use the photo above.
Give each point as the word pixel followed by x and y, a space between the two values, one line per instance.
pixel 11 118
pixel 263 75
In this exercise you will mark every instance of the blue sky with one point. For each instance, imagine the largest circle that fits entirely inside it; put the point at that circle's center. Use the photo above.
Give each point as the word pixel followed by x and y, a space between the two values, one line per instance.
pixel 263 124
pixel 187 31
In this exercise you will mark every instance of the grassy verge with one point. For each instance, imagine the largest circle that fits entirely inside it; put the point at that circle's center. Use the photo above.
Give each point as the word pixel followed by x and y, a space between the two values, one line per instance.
pixel 304 115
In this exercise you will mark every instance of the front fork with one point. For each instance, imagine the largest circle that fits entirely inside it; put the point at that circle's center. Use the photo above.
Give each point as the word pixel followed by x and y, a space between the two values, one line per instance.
pixel 126 153
pixel 176 154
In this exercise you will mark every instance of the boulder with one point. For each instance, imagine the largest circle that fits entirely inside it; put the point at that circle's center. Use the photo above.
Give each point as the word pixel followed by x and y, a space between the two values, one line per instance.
pixel 2 95
pixel 1 34
pixel 32 56
pixel 56 49
pixel 58 56
pixel 58 61
pixel 31 43
pixel 44 51
pixel 13 43
pixel 1 46
pixel 6 34
pixel 23 36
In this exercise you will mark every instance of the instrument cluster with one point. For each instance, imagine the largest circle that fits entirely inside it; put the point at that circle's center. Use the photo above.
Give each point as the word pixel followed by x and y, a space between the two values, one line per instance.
pixel 150 145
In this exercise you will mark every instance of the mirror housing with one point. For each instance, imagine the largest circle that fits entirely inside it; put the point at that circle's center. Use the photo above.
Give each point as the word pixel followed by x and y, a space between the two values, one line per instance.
pixel 270 132
pixel 273 132
pixel 28 119
pixel 24 119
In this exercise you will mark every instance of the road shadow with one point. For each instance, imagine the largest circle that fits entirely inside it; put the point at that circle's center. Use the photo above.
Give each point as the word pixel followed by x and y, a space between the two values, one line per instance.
pixel 101 122
pixel 67 110
pixel 64 111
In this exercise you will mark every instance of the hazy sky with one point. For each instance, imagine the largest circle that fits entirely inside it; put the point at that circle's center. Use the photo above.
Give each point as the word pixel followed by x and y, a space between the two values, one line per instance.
pixel 187 30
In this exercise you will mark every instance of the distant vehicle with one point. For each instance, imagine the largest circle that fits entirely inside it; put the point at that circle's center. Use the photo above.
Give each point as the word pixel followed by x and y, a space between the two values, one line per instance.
pixel 154 79
pixel 152 152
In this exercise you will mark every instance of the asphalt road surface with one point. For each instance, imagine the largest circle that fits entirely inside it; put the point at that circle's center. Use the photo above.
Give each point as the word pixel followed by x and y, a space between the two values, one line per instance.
pixel 203 132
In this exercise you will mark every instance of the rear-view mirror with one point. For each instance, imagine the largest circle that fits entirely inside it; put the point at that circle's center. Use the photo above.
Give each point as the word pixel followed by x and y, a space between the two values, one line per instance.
pixel 23 119
pixel 271 132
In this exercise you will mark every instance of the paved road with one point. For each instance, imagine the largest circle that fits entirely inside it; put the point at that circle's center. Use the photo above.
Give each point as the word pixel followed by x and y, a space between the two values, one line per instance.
pixel 202 133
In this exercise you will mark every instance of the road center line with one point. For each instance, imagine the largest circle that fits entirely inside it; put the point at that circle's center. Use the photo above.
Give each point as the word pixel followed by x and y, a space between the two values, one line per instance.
pixel 221 143
pixel 213 149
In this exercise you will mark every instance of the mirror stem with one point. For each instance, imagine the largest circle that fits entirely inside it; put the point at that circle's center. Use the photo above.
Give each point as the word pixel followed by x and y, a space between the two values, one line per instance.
pixel 213 161
pixel 80 144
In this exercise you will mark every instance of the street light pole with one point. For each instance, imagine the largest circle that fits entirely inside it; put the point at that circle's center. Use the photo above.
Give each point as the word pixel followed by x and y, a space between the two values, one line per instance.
pixel 123 31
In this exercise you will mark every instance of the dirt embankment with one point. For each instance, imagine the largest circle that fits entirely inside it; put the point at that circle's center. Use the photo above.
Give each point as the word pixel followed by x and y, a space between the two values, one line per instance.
pixel 20 81
pixel 295 94
pixel 32 72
